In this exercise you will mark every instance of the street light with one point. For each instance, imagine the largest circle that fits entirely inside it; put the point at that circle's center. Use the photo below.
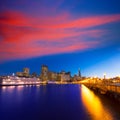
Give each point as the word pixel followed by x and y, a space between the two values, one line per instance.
pixel 104 76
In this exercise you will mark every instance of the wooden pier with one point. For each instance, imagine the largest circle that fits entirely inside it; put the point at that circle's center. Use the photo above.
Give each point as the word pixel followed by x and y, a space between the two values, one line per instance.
pixel 105 87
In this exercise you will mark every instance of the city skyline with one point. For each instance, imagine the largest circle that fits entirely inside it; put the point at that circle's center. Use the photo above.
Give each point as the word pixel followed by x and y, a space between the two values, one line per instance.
pixel 65 35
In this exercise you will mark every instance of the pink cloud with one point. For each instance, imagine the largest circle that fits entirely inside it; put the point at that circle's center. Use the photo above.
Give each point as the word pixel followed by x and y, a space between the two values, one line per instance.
pixel 31 50
pixel 25 37
pixel 91 21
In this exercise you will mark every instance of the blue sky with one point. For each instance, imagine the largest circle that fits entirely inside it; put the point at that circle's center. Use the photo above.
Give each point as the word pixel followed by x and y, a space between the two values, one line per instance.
pixel 63 34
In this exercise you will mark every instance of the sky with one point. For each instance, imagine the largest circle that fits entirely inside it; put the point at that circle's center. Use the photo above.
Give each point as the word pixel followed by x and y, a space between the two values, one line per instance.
pixel 63 34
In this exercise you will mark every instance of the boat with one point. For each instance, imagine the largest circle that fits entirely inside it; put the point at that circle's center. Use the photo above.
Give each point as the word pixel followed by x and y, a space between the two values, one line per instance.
pixel 14 80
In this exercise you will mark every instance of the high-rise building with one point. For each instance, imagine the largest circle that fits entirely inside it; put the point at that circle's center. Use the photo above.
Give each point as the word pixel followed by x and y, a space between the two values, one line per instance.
pixel 52 76
pixel 77 77
pixel 44 73
pixel 79 73
pixel 26 70
pixel 64 76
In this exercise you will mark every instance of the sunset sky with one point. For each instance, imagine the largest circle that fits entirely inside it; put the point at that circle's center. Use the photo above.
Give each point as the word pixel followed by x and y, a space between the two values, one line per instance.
pixel 63 34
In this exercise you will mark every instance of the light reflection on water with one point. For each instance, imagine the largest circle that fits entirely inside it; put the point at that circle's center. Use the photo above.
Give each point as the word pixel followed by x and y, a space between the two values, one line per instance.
pixel 94 106
pixel 9 89
pixel 55 102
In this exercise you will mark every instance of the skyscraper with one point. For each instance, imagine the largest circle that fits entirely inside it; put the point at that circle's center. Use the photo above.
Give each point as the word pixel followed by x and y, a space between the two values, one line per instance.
pixel 44 73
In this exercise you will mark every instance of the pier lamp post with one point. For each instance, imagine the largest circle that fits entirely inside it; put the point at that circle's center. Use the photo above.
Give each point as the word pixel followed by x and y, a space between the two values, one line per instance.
pixel 104 76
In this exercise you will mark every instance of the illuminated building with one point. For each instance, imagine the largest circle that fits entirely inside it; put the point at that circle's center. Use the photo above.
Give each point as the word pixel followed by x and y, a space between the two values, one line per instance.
pixel 25 73
pixel 52 76
pixel 44 73
pixel 47 75
pixel 33 75
pixel 64 76
pixel 77 77
pixel 19 74
pixel 79 73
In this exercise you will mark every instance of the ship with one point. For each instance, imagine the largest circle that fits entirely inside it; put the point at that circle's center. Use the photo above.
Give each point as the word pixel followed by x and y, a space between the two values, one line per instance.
pixel 14 80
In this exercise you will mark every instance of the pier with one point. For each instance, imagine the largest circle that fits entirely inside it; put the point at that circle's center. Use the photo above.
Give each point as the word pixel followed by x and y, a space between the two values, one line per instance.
pixel 108 87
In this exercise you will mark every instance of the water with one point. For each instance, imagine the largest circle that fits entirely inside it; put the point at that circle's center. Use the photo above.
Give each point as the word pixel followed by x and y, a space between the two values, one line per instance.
pixel 55 102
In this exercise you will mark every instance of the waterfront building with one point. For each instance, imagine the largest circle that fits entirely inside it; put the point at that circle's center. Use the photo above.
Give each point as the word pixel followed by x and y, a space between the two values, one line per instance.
pixel 52 76
pixel 19 74
pixel 64 76
pixel 77 77
pixel 79 73
pixel 34 75
pixel 25 73
pixel 44 73
pixel 47 75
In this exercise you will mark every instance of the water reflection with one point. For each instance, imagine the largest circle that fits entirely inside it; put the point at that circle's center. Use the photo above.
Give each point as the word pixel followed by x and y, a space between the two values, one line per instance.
pixel 19 88
pixel 94 106
pixel 3 87
pixel 9 89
